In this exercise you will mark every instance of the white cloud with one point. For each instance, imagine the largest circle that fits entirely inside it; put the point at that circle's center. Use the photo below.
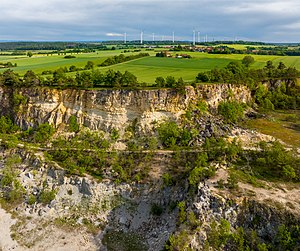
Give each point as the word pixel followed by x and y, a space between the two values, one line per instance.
pixel 99 19
pixel 114 35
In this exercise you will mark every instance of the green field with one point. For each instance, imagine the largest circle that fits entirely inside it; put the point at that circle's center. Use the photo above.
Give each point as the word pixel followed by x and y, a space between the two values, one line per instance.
pixel 40 63
pixel 146 69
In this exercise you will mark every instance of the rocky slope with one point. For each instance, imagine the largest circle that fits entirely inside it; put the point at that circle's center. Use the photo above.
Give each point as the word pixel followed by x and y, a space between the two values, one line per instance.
pixel 106 109
pixel 85 213
pixel 93 215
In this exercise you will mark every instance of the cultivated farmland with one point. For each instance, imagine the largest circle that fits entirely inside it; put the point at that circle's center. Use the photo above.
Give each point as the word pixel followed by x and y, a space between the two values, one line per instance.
pixel 147 68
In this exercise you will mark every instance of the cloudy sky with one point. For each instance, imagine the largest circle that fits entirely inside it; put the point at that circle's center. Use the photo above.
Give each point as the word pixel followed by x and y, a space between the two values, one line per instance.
pixel 260 20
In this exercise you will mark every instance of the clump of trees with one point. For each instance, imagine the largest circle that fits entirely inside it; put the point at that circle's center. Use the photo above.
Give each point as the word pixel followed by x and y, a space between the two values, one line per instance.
pixel 272 87
pixel 7 65
pixel 231 111
pixel 122 58
pixel 171 135
pixel 169 82
pixel 85 79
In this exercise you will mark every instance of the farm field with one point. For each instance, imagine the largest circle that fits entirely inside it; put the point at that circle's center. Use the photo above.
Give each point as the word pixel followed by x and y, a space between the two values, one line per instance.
pixel 40 63
pixel 146 69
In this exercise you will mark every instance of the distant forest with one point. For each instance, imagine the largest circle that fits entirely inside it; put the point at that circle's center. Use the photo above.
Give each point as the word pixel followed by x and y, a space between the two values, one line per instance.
pixel 23 46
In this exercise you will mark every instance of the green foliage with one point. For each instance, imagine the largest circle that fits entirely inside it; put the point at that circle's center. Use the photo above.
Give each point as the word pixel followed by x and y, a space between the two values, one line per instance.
pixel 47 196
pixel 232 181
pixel 182 212
pixel 168 179
pixel 202 106
pixel 126 241
pixel 200 170
pixel 8 177
pixel 121 58
pixel 114 134
pixel 160 81
pixel 179 241
pixel 279 88
pixel 248 60
pixel 13 190
pixel 277 162
pixel 89 65
pixel 156 209
pixel 171 135
pixel 73 125
pixel 31 199
pixel 232 111
pixel 19 99
pixel 7 126
pixel 192 220
pixel 29 54
pixel 219 234
pixel 43 133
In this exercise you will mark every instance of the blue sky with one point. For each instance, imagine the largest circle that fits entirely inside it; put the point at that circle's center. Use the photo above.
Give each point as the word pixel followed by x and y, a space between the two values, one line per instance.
pixel 259 20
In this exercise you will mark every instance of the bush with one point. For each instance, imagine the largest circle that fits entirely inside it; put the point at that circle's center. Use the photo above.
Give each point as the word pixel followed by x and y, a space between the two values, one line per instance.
pixel 114 135
pixel 232 181
pixel 31 199
pixel 232 111
pixel 43 133
pixel 156 209
pixel 169 133
pixel 182 212
pixel 69 56
pixel 73 125
pixel 47 196
pixel 274 161
pixel 167 179
pixel 6 125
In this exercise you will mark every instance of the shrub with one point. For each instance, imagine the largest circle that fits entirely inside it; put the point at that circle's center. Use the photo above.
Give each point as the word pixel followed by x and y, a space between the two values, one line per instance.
pixel 73 125
pixel 182 212
pixel 43 133
pixel 69 56
pixel 31 199
pixel 232 181
pixel 232 111
pixel 156 209
pixel 168 133
pixel 47 196
pixel 114 134
pixel 167 179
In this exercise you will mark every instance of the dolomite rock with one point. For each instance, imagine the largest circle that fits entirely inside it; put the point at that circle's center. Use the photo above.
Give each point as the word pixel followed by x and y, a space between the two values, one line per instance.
pixel 107 109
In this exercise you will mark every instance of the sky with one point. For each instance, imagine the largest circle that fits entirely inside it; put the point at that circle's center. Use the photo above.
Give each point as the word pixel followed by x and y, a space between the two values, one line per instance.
pixel 96 20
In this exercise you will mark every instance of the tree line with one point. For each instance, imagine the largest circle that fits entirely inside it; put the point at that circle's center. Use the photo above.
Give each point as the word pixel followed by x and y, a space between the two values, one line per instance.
pixel 272 86
pixel 122 58
pixel 85 79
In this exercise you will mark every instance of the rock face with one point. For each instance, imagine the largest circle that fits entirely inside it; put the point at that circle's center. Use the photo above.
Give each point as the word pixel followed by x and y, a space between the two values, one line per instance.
pixel 106 109
pixel 125 210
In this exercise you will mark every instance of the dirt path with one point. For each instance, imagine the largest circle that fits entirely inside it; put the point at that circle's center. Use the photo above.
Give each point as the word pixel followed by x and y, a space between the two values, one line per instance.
pixel 6 242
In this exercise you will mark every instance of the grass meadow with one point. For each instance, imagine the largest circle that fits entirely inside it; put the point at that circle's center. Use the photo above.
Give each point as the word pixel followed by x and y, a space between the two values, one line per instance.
pixel 147 68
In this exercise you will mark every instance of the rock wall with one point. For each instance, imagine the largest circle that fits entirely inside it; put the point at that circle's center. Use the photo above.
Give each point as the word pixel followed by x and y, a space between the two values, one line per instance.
pixel 106 109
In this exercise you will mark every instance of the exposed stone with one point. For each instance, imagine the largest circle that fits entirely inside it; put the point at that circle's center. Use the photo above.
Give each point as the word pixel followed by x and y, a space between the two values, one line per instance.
pixel 106 109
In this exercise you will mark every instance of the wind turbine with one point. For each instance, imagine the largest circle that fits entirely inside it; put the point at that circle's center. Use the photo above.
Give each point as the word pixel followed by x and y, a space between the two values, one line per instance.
pixel 142 33
pixel 194 37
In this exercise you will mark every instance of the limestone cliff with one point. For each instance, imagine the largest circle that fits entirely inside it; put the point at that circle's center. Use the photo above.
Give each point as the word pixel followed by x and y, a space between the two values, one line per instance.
pixel 105 109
